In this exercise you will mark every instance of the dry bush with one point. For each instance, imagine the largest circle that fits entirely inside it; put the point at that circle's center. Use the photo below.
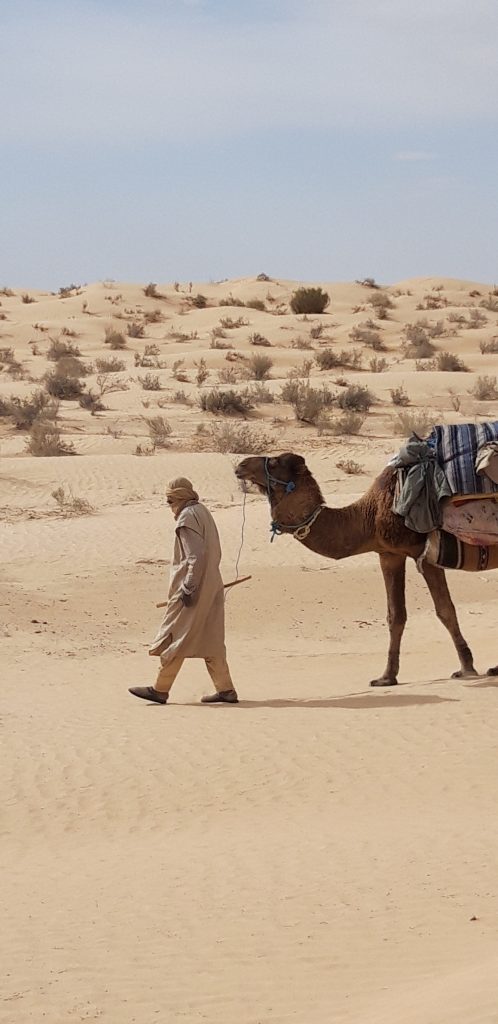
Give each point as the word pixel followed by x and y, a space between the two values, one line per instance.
pixel 115 339
pixel 106 384
pixel 218 332
pixel 27 411
pixel 259 366
pixel 366 336
pixel 381 303
pixel 230 324
pixel 197 301
pixel 149 356
pixel 350 467
pixel 229 375
pixel 91 402
pixel 356 398
pixel 329 360
pixel 68 333
pixel 261 395
pixel 316 331
pixel 159 431
pixel 180 398
pixel 151 291
pixel 135 330
pixel 489 346
pixel 485 389
pixel 150 382
pixel 45 440
pixel 368 282
pixel 202 372
pixel 309 300
pixel 217 343
pixel 69 289
pixel 378 365
pixel 60 349
pixel 308 403
pixel 399 396
pixel 111 365
pixel 255 304
pixel 27 299
pixel 177 371
pixel 259 339
pixel 71 505
pixel 302 343
pixel 9 362
pixel 9 294
pixel 230 300
pixel 241 439
pixel 457 318
pixel 418 422
pixel 153 317
pixel 417 344
pixel 349 423
pixel 491 303
pixel 476 319
pixel 63 386
pixel 226 403
pixel 143 449
pixel 448 361
pixel 433 302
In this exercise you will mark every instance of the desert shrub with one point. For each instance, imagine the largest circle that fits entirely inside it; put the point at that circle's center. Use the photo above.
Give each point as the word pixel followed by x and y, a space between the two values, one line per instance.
pixel 159 431
pixel 485 389
pixel 316 331
pixel 229 324
pixel 27 299
pixel 448 361
pixel 26 411
pixel 226 403
pixel 135 329
pixel 302 343
pixel 111 365
pixel 259 366
pixel 309 300
pixel 149 356
pixel 489 346
pixel 417 344
pixel 151 291
pixel 143 449
pixel 307 402
pixel 68 333
pixel 178 372
pixel 58 349
pixel 356 398
pixel 378 365
pixel 261 395
pixel 399 396
pixel 350 467
pixel 202 372
pixel 490 303
pixel 45 440
pixel 329 360
pixel 230 300
pixel 106 384
pixel 241 439
pixel 7 292
pixel 365 336
pixel 115 339
pixel 417 422
pixel 153 317
pixel 150 382
pixel 229 375
pixel 197 301
pixel 457 318
pixel 476 319
pixel 64 386
pixel 381 303
pixel 11 364
pixel 91 402
pixel 256 304
pixel 71 505
pixel 433 302
pixel 368 282
pixel 259 339
pixel 180 397
pixel 349 423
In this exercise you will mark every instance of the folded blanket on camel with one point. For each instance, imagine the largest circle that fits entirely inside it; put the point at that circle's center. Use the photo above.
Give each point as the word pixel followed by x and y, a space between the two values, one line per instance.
pixel 475 521
pixel 456 447
pixel 448 552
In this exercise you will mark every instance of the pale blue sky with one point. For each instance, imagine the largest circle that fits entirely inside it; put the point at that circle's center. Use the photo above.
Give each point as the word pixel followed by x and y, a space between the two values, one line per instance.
pixel 203 139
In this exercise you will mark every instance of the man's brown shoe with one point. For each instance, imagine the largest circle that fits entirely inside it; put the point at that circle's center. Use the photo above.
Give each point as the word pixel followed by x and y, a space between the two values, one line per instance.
pixel 149 693
pixel 225 697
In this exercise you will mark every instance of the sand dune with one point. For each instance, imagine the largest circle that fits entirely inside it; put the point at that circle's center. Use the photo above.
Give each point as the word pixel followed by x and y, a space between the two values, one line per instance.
pixel 320 852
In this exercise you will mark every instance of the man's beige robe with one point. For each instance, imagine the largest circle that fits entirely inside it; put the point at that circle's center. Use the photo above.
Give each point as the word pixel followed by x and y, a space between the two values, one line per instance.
pixel 197 631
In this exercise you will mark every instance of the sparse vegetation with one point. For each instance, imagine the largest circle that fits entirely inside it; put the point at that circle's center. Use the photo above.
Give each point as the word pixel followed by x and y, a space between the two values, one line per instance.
pixel 451 362
pixel 356 398
pixel 259 339
pixel 329 360
pixel 256 304
pixel 350 467
pixel 115 339
pixel 91 402
pixel 45 440
pixel 151 292
pixel 485 389
pixel 377 365
pixel 362 335
pixel 308 403
pixel 70 505
pixel 349 423
pixel 202 373
pixel 417 422
pixel 489 346
pixel 111 365
pixel 226 403
pixel 58 349
pixel 27 299
pixel 159 431
pixel 135 329
pixel 259 366
pixel 27 411
pixel 309 300
pixel 150 382
pixel 239 439
pixel 63 386
pixel 399 396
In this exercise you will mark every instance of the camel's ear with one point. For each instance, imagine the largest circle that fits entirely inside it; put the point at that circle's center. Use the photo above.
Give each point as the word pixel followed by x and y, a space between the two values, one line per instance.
pixel 292 463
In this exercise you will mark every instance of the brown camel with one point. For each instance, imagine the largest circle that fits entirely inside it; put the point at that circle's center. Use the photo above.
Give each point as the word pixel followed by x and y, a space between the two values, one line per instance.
pixel 367 525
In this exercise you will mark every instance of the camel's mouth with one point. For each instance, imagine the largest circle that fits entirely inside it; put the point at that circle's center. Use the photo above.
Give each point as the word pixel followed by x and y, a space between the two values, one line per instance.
pixel 248 475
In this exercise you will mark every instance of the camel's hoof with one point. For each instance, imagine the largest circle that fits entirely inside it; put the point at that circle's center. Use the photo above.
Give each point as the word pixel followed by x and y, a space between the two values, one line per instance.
pixel 470 673
pixel 492 671
pixel 383 681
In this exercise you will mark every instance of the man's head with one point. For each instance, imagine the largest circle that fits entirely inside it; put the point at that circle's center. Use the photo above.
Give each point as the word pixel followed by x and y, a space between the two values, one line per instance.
pixel 178 494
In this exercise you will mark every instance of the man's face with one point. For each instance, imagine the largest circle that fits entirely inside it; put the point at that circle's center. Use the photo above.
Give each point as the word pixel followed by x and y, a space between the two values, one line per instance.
pixel 174 506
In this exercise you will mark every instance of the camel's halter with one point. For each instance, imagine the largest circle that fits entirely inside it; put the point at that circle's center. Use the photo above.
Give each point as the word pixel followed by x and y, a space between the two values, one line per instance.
pixel 241 543
pixel 302 530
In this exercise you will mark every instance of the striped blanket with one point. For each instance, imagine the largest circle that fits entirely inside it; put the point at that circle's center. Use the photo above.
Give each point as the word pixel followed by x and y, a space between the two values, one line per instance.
pixel 456 448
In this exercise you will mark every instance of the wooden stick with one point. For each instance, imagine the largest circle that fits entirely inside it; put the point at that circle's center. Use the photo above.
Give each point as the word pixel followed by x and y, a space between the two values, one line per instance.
pixel 234 583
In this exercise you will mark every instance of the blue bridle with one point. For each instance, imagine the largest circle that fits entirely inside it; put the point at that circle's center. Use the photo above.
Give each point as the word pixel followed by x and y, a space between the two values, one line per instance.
pixel 276 529
pixel 288 484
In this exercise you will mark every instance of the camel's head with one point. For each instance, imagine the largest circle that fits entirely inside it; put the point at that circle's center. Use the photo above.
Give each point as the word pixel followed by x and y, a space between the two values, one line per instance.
pixel 272 471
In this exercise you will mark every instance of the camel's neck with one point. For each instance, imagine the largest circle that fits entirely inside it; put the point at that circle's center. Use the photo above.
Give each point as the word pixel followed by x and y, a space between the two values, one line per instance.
pixel 336 533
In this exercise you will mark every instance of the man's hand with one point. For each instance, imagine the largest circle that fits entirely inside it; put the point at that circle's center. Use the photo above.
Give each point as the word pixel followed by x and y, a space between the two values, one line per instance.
pixel 188 599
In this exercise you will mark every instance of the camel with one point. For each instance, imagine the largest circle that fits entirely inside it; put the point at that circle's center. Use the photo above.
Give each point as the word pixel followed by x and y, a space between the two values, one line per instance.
pixel 366 525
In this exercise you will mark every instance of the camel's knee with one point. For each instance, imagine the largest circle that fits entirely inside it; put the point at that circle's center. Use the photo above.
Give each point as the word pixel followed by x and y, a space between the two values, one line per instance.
pixel 396 620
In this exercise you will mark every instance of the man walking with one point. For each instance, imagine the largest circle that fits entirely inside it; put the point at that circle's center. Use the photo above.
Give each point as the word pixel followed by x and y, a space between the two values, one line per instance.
pixel 194 621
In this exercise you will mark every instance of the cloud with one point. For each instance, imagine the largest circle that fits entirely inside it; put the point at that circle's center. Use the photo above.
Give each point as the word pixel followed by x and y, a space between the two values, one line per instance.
pixel 108 74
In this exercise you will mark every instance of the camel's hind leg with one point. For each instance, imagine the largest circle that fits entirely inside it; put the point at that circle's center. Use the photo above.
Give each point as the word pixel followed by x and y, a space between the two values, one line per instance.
pixel 393 570
pixel 445 611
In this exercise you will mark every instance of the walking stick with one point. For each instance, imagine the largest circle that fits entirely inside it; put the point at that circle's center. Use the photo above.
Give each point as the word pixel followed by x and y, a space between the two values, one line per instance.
pixel 233 583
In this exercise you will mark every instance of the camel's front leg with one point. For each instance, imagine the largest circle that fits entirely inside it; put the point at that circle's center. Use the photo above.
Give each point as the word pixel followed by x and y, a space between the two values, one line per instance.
pixel 445 611
pixel 393 570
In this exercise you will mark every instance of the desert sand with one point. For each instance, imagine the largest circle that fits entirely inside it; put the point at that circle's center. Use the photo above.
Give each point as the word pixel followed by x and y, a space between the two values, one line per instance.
pixel 319 853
